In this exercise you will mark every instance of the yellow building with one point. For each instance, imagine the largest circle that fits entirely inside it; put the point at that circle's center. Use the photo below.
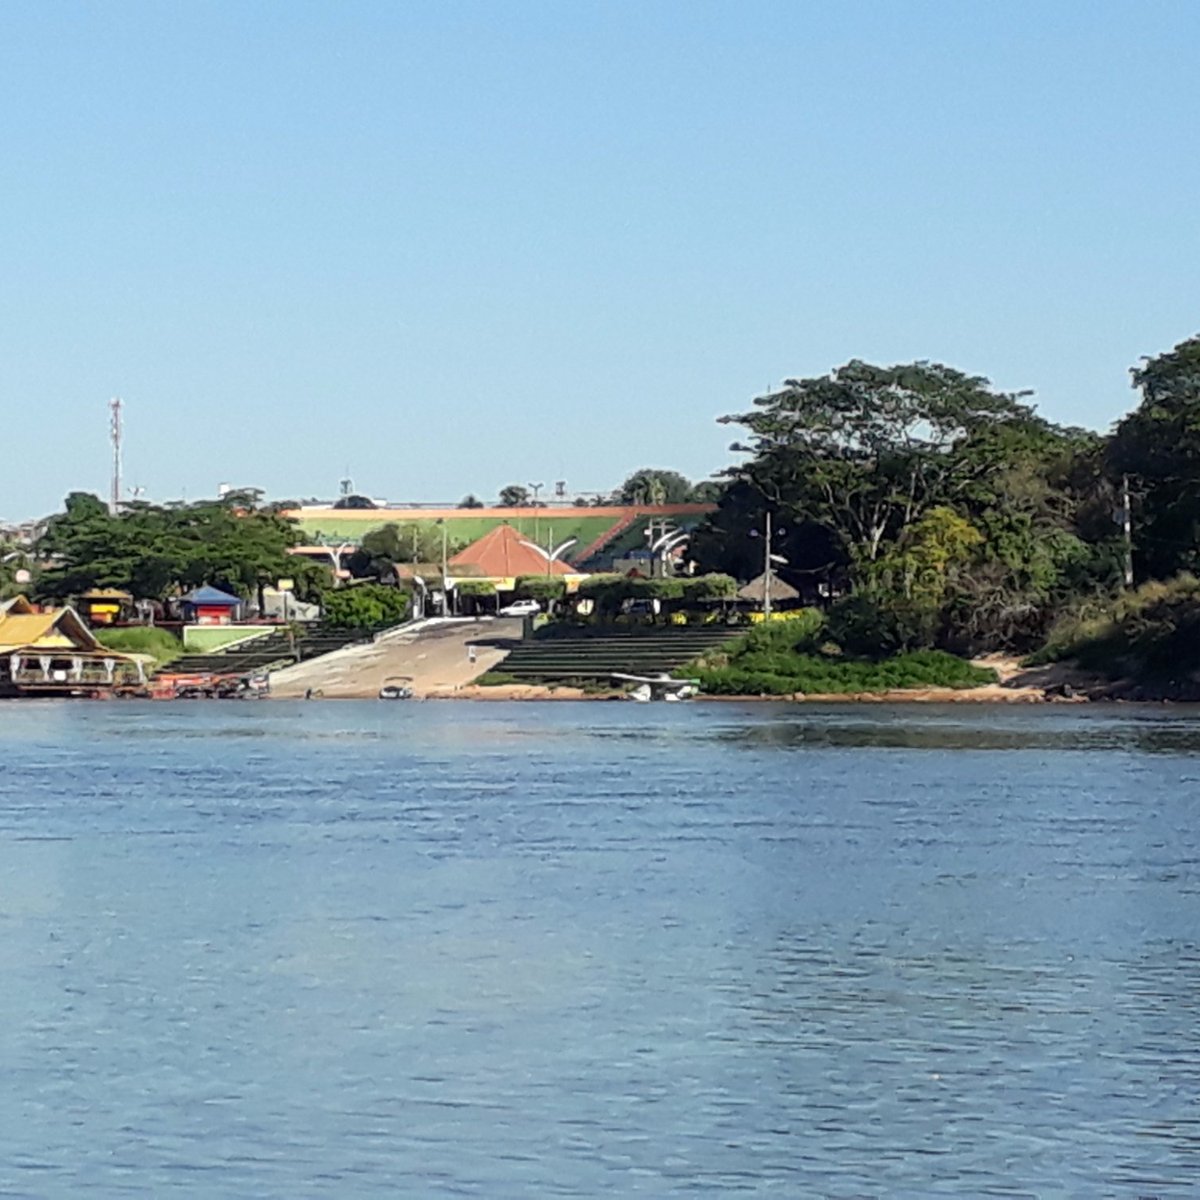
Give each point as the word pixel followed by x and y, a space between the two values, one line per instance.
pixel 53 652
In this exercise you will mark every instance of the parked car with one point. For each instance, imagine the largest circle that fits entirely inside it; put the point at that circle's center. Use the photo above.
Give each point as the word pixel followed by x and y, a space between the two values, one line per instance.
pixel 521 608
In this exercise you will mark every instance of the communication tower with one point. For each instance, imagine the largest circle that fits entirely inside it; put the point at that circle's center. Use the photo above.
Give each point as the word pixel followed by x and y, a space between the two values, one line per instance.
pixel 114 427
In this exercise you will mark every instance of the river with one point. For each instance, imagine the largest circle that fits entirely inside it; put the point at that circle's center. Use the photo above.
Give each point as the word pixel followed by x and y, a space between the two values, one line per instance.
pixel 598 950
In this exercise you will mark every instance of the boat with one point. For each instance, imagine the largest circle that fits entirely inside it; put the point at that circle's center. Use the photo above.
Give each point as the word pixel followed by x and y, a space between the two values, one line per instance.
pixel 399 690
pixel 658 687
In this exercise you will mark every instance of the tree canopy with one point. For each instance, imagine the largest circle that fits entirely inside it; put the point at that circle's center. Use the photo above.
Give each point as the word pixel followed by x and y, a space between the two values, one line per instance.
pixel 1158 444
pixel 879 478
pixel 654 485
pixel 514 496
pixel 156 552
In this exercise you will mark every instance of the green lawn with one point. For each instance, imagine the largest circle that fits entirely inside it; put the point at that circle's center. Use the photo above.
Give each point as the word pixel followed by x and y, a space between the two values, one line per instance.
pixel 464 529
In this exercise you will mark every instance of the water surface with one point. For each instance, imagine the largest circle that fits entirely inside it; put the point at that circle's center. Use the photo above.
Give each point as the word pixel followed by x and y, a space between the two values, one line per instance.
pixel 591 950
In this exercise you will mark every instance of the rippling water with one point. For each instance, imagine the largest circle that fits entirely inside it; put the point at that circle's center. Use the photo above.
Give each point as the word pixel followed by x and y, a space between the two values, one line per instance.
pixel 493 950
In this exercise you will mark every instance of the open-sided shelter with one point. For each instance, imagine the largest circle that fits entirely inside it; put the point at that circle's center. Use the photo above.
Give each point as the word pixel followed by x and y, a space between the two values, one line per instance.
pixel 54 652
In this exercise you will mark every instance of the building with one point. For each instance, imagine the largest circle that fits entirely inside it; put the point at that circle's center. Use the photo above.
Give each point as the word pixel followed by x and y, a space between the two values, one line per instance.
pixel 502 556
pixel 53 652
pixel 210 606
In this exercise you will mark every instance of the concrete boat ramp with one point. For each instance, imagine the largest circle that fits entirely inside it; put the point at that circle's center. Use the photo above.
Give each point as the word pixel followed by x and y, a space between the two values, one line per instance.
pixel 433 657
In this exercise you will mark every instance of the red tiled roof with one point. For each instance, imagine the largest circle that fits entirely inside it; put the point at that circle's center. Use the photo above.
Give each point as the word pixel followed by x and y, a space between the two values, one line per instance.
pixel 503 553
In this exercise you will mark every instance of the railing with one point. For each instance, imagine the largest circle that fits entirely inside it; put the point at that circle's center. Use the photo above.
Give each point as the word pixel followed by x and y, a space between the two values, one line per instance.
pixel 68 674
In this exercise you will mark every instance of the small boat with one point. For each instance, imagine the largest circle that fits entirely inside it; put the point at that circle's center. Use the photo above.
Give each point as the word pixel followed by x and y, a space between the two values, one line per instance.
pixel 659 687
pixel 400 690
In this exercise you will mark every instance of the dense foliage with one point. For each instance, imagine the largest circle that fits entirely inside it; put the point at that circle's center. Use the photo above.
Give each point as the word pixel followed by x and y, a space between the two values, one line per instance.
pixel 365 607
pixel 1152 633
pixel 952 515
pixel 411 542
pixel 797 655
pixel 142 639
pixel 156 552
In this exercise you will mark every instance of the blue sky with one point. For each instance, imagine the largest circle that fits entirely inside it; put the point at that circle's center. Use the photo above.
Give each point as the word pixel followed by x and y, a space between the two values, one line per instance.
pixel 456 245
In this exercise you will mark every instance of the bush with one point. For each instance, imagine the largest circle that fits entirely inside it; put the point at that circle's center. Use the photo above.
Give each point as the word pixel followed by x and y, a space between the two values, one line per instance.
pixel 142 639
pixel 544 589
pixel 367 606
pixel 1152 633
pixel 781 674
pixel 861 625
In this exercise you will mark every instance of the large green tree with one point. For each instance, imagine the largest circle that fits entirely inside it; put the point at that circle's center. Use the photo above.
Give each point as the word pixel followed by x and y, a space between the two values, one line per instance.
pixel 410 542
pixel 865 451
pixel 653 485
pixel 1158 446
pixel 870 474
pixel 156 552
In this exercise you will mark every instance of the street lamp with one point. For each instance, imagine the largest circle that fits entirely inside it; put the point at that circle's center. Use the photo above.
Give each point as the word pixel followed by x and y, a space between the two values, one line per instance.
pixel 536 488
pixel 768 559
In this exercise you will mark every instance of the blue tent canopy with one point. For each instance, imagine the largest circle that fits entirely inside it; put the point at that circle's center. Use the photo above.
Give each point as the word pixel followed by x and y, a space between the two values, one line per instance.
pixel 211 596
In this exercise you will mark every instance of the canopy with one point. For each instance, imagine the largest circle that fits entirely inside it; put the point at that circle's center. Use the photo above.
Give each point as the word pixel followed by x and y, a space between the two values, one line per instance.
pixel 211 597
pixel 755 591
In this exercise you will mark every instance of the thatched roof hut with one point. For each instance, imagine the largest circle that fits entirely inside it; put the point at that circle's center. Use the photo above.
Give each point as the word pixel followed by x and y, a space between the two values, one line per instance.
pixel 755 590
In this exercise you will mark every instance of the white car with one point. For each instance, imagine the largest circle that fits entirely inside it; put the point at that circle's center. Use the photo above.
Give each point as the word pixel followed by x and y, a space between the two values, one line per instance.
pixel 521 608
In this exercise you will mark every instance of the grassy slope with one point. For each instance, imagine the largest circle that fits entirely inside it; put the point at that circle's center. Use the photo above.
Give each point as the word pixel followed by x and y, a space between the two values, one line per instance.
pixel 146 640
pixel 466 528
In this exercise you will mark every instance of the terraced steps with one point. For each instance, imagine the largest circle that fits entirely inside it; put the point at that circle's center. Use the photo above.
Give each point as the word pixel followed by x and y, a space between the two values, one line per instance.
pixel 277 649
pixel 597 657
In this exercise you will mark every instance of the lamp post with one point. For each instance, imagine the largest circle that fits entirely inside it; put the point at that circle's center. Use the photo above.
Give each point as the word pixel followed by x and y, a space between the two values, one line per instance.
pixel 536 488
pixel 445 569
pixel 768 559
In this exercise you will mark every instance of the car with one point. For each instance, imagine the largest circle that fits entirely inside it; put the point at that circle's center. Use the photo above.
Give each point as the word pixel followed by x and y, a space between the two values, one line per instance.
pixel 521 608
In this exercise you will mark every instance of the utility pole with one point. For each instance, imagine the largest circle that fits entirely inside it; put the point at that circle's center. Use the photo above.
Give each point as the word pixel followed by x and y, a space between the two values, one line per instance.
pixel 114 426
pixel 767 569
pixel 1127 530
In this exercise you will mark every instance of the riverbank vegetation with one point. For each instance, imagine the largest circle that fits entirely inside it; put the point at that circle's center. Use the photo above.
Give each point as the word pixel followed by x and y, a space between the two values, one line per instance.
pixel 926 510
pixel 917 506
pixel 160 644
pixel 798 655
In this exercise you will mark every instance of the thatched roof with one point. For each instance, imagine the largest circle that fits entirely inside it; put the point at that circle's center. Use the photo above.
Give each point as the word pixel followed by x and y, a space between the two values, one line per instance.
pixel 755 590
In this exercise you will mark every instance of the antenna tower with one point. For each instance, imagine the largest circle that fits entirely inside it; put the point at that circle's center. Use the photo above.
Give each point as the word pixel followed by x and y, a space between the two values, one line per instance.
pixel 114 432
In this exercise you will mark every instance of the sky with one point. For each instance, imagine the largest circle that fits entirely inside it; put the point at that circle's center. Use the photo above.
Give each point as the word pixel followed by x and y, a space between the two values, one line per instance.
pixel 450 246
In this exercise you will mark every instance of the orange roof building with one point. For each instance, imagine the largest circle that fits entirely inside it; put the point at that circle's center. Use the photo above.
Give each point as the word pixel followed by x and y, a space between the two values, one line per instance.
pixel 502 555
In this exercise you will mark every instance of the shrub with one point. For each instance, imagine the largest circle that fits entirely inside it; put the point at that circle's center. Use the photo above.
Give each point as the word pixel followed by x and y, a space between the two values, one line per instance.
pixel 544 589
pixel 780 674
pixel 367 606
pixel 142 639
pixel 1152 633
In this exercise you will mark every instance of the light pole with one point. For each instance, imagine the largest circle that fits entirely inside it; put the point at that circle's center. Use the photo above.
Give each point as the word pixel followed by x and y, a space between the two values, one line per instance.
pixel 536 488
pixel 768 559
pixel 445 570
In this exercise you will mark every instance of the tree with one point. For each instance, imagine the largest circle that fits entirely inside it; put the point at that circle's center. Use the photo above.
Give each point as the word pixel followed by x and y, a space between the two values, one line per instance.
pixel 864 451
pixel 653 486
pixel 514 496
pixel 381 548
pixel 156 552
pixel 470 501
pixel 1158 444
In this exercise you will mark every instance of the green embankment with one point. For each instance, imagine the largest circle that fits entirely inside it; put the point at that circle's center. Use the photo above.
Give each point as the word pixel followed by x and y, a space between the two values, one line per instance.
pixel 163 646
pixel 1150 636
pixel 788 657
pixel 205 639
pixel 462 530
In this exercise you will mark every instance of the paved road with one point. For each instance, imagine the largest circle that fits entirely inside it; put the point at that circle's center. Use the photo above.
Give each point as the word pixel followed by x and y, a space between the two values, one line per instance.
pixel 435 658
